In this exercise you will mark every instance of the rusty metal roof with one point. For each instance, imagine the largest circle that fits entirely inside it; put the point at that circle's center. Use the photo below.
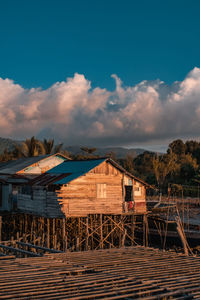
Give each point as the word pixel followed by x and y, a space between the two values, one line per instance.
pixel 72 169
pixel 14 166
pixel 47 179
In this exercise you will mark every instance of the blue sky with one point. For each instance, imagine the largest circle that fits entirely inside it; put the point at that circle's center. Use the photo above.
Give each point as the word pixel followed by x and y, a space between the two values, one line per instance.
pixel 44 42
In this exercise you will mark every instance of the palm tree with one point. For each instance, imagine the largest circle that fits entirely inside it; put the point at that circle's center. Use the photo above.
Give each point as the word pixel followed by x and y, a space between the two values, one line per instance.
pixel 48 145
pixel 28 148
pixel 34 147
pixel 58 148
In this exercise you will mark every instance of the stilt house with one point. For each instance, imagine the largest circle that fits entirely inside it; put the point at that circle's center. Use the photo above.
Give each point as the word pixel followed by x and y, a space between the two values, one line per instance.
pixel 78 188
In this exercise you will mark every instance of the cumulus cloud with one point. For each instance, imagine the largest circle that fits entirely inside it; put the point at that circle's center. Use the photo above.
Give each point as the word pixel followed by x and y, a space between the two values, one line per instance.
pixel 75 113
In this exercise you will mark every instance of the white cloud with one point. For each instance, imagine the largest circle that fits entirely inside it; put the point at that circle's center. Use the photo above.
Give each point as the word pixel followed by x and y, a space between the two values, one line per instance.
pixel 73 112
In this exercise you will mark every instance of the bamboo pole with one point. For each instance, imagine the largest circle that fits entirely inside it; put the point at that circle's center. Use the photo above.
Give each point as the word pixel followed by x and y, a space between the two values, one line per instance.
pixel 63 234
pixel 0 228
pixel 48 233
pixel 87 234
pixel 133 228
pixel 101 232
pixel 53 233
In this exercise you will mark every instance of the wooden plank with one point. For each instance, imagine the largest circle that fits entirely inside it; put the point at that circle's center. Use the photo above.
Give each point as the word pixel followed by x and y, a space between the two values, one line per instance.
pixel 133 272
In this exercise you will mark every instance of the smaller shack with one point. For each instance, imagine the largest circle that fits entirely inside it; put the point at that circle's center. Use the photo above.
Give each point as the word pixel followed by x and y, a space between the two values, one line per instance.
pixel 78 188
pixel 16 173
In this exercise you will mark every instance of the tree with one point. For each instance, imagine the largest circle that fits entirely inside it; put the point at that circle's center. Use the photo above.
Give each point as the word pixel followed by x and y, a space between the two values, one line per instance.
pixel 128 163
pixel 88 150
pixel 188 169
pixel 193 148
pixel 6 156
pixel 143 166
pixel 58 148
pixel 111 155
pixel 28 148
pixel 163 166
pixel 177 147
pixel 48 145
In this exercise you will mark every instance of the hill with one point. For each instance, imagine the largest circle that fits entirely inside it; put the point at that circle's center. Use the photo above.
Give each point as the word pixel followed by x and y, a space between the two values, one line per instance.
pixel 120 152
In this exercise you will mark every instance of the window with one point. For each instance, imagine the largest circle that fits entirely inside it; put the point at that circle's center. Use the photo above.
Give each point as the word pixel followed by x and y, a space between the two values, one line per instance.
pixel 137 189
pixel 101 190
pixel 128 193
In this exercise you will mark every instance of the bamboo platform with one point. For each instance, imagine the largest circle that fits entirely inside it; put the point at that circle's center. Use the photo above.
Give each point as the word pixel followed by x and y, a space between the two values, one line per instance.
pixel 125 273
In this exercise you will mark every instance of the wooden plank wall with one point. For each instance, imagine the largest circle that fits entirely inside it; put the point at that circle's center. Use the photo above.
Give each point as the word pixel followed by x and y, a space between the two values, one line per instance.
pixel 139 199
pixel 100 191
pixel 80 197
pixel 42 202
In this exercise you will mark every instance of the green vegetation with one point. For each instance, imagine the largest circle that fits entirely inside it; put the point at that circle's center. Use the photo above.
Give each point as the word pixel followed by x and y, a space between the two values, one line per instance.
pixel 180 165
pixel 31 147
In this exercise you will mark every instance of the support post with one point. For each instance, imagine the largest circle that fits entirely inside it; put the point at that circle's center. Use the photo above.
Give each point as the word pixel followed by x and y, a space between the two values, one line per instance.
pixel 0 228
pixel 54 234
pixel 101 232
pixel 133 229
pixel 63 235
pixel 144 231
pixel 48 233
pixel 87 234
pixel 124 237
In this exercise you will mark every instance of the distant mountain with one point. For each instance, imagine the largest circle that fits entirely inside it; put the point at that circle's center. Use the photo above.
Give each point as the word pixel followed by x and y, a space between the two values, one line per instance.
pixel 120 152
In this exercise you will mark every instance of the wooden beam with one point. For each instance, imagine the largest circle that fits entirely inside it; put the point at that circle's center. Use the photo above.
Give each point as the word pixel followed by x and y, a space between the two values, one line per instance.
pixel 39 247
pixel 19 250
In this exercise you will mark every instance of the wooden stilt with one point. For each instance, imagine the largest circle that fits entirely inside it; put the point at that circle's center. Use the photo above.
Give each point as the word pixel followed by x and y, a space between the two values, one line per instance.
pixel 101 232
pixel 63 235
pixel 48 233
pixel 53 233
pixel 0 228
pixel 87 234
pixel 43 232
pixel 133 229
pixel 144 233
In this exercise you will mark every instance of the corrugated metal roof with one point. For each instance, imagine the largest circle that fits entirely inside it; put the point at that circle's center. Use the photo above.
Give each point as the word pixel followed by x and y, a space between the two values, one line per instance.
pixel 75 169
pixel 47 179
pixel 70 170
pixel 13 178
pixel 15 166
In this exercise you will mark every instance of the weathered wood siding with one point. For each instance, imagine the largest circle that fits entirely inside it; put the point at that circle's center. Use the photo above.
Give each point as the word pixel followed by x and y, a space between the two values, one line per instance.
pixel 139 196
pixel 98 191
pixel 6 201
pixel 41 202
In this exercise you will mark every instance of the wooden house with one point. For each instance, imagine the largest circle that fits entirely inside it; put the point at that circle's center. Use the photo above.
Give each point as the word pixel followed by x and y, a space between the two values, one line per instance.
pixel 78 188
pixel 15 173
